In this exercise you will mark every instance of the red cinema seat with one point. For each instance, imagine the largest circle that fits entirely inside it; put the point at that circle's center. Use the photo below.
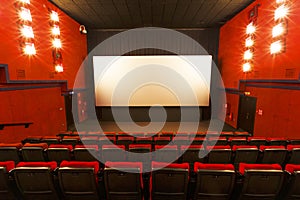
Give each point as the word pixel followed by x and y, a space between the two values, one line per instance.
pixel 59 152
pixel 261 181
pixel 10 152
pixel 86 153
pixel 169 181
pixel 277 141
pixel 123 180
pixel 214 181
pixel 6 192
pixel 238 141
pixel 167 153
pixel 245 154
pixel 34 152
pixel 113 153
pixel 273 154
pixel 292 187
pixel 190 154
pixel 51 139
pixel 294 154
pixel 79 180
pixel 219 154
pixel 35 180
pixel 257 141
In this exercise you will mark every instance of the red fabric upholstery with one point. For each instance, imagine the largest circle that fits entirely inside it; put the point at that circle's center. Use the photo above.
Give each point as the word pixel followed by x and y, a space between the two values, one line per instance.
pixel 166 147
pixel 291 147
pixel 217 138
pixel 71 137
pixel 272 139
pixel 263 147
pixel 184 147
pixel 69 147
pixel 237 138
pixel 181 138
pixel 52 165
pixel 143 139
pixel 244 166
pixel 109 133
pixel 197 139
pixel 95 138
pixel 241 133
pixel 81 164
pixel 218 147
pixel 41 145
pixel 235 147
pixel 198 166
pixel 17 145
pixel 123 138
pixel 172 165
pixel 212 133
pixel 111 138
pixel 132 146
pixel 9 165
pixel 197 133
pixel 256 138
pixel 226 133
pixel 51 137
pixel 91 146
pixel 161 138
pixel 291 168
pixel 113 146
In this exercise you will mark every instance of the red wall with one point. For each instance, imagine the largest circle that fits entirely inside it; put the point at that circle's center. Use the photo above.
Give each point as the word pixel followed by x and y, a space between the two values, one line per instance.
pixel 279 110
pixel 44 107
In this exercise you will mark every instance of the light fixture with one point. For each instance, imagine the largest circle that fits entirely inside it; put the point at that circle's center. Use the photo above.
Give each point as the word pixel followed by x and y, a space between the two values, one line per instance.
pixel 25 1
pixel 59 68
pixel 250 28
pixel 248 55
pixel 281 12
pixel 246 67
pixel 278 30
pixel 280 1
pixel 82 29
pixel 25 14
pixel 54 16
pixel 29 49
pixel 56 43
pixel 27 31
pixel 55 30
pixel 249 42
pixel 276 47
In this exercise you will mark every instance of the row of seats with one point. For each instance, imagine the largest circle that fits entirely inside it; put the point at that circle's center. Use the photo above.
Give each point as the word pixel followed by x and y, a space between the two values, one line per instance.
pixel 125 180
pixel 190 154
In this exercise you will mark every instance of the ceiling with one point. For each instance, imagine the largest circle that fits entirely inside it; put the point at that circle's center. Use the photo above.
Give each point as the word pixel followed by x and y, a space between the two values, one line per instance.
pixel 126 14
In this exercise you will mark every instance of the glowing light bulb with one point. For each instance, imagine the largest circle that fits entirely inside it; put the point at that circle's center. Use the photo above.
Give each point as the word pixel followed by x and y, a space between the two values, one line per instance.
pixel 249 42
pixel 25 1
pixel 59 68
pixel 29 49
pixel 25 14
pixel 250 28
pixel 248 55
pixel 27 31
pixel 281 12
pixel 280 1
pixel 278 30
pixel 246 67
pixel 54 16
pixel 276 47
pixel 55 30
pixel 56 43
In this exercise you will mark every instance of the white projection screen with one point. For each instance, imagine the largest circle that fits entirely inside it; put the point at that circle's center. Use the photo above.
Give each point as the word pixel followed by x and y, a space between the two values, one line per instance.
pixel 166 80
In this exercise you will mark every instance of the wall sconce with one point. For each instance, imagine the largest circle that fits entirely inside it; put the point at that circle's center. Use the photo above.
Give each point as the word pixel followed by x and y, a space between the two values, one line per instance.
pixel 82 29
pixel 249 42
pixel 25 14
pixel 276 47
pixel 27 31
pixel 280 12
pixel 54 16
pixel 59 68
pixel 246 67
pixel 25 1
pixel 55 30
pixel 250 29
pixel 29 49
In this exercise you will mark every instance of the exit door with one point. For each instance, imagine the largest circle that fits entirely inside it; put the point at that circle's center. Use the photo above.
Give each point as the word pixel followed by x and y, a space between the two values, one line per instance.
pixel 247 110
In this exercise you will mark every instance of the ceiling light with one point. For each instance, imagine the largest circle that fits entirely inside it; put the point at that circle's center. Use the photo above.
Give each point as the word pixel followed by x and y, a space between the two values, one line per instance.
pixel 250 28
pixel 27 31
pixel 54 16
pixel 56 43
pixel 278 30
pixel 249 42
pixel 55 30
pixel 59 68
pixel 25 14
pixel 281 12
pixel 248 55
pixel 276 47
pixel 246 67
pixel 29 49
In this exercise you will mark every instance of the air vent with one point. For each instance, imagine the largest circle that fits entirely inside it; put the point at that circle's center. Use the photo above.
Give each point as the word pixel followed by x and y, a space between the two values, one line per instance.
pixel 21 74
pixel 290 73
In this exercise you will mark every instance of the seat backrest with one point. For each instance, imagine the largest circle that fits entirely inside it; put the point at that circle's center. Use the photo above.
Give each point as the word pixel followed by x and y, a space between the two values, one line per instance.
pixel 293 186
pixel 219 154
pixel 123 180
pixel 245 154
pixel 10 152
pixel 257 141
pixel 277 141
pixel 262 181
pixel 34 152
pixel 214 181
pixel 190 154
pixel 294 154
pixel 86 152
pixel 35 180
pixel 114 153
pixel 170 182
pixel 165 153
pixel 59 152
pixel 5 190
pixel 273 154
pixel 78 180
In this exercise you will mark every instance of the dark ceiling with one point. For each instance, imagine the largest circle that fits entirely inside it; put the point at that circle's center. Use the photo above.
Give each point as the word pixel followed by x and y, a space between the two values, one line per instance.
pixel 125 14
